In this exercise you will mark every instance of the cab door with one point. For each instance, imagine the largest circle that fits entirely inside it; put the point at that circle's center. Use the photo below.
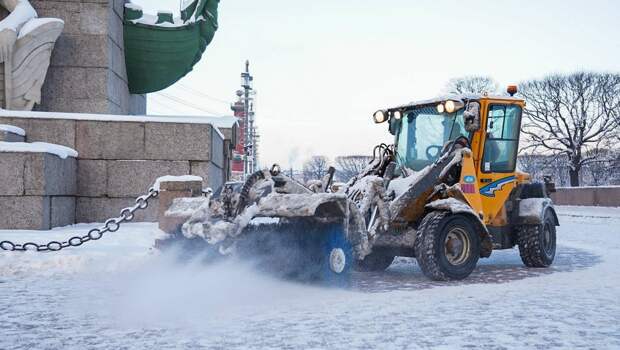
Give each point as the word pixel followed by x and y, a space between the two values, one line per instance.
pixel 499 159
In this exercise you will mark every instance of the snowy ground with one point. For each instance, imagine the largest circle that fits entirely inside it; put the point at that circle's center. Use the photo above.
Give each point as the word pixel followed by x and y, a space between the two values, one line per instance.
pixel 115 294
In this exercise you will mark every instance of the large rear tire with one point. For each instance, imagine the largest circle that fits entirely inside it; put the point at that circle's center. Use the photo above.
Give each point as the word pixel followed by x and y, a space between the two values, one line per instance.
pixel 537 243
pixel 447 246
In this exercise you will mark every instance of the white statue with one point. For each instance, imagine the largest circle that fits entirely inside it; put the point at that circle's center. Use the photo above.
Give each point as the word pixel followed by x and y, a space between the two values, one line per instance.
pixel 26 44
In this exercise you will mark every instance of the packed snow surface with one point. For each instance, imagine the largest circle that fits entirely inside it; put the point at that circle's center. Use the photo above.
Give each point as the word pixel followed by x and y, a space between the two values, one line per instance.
pixel 116 293
pixel 38 147
pixel 12 129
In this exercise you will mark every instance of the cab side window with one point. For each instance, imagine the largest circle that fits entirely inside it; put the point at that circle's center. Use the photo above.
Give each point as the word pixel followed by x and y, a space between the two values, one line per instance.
pixel 502 138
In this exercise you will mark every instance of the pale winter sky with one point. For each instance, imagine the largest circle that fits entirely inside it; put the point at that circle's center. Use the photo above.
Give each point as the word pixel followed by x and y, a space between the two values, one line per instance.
pixel 322 67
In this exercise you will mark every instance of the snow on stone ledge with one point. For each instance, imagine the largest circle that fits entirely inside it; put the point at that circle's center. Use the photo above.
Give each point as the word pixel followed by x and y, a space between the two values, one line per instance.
pixel 133 6
pixel 12 129
pixel 226 121
pixel 172 178
pixel 38 147
pixel 151 20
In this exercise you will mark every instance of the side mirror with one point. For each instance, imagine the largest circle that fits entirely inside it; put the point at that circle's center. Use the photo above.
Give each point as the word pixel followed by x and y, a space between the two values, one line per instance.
pixel 393 125
pixel 472 116
pixel 549 184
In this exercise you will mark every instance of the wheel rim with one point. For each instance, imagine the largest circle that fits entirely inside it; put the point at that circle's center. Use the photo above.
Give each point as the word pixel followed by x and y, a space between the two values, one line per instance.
pixel 547 240
pixel 457 246
pixel 337 260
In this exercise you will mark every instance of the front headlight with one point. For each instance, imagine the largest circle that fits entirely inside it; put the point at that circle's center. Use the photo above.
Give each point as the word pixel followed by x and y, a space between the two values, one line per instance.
pixel 440 108
pixel 275 170
pixel 453 106
pixel 380 116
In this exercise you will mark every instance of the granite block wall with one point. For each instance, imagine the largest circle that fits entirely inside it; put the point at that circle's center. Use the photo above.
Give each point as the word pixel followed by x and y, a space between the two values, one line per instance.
pixel 117 161
pixel 37 190
pixel 604 196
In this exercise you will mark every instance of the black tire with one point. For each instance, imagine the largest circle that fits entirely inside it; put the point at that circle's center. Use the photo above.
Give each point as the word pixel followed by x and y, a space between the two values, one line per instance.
pixel 440 232
pixel 537 243
pixel 375 261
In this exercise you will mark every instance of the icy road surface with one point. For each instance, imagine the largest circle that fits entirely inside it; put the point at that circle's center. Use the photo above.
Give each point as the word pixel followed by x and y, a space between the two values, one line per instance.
pixel 116 294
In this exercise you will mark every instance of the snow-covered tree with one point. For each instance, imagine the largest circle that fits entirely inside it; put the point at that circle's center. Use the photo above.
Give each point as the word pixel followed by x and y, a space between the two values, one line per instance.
pixel 471 85
pixel 532 164
pixel 605 170
pixel 349 166
pixel 574 115
pixel 315 168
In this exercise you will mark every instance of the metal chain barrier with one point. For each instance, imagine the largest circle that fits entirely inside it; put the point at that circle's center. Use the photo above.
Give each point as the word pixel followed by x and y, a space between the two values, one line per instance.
pixel 110 225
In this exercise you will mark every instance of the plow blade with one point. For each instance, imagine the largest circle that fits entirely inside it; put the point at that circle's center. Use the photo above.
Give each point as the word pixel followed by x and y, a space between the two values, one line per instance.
pixel 295 236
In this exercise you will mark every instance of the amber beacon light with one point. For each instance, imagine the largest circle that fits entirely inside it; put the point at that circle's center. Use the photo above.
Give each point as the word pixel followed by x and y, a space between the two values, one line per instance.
pixel 511 90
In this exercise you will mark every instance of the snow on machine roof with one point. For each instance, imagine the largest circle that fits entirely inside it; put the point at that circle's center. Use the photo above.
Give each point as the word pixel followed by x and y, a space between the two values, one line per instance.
pixel 457 97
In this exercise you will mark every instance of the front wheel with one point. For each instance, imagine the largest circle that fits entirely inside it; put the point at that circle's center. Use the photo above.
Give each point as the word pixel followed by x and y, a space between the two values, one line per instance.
pixel 537 242
pixel 447 246
pixel 336 256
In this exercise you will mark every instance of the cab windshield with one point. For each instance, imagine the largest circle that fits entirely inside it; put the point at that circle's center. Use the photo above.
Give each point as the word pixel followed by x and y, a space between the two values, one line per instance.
pixel 423 133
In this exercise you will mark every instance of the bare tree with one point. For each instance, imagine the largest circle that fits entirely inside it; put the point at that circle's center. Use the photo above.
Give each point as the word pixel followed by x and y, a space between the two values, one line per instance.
pixel 532 164
pixel 349 166
pixel 471 85
pixel 315 168
pixel 539 165
pixel 604 170
pixel 572 115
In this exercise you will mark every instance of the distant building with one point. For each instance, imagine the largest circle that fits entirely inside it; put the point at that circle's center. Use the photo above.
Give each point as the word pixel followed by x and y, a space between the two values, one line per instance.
pixel 244 158
pixel 238 152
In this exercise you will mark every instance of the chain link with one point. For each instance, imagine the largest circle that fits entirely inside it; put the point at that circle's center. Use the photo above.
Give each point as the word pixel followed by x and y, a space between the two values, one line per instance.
pixel 110 225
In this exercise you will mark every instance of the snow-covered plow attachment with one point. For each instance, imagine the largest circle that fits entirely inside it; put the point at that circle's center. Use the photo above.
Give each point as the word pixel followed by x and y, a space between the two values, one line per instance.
pixel 282 225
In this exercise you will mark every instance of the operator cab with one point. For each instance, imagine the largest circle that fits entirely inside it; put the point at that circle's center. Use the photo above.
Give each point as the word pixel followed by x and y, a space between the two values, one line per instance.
pixel 422 130
pixel 422 133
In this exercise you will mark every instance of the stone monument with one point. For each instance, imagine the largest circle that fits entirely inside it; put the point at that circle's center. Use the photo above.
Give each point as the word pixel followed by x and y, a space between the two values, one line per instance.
pixel 88 149
pixel 87 72
pixel 26 44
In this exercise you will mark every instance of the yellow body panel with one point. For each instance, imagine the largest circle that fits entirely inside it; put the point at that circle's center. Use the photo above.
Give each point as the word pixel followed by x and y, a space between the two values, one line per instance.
pixel 469 180
pixel 492 189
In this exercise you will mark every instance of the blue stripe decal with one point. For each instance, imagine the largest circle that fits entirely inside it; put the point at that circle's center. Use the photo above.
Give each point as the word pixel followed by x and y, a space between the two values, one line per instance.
pixel 489 190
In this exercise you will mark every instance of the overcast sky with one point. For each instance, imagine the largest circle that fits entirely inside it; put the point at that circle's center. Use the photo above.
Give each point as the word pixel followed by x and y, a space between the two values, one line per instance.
pixel 322 67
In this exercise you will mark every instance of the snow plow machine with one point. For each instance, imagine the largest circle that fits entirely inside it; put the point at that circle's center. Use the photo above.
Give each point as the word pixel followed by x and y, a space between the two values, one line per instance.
pixel 446 192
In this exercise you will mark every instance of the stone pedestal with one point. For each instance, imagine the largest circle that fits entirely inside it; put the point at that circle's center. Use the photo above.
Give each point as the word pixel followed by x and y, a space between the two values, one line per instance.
pixel 87 72
pixel 171 190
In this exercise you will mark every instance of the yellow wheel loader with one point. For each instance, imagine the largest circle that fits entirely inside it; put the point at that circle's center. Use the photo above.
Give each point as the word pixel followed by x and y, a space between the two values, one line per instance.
pixel 447 192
